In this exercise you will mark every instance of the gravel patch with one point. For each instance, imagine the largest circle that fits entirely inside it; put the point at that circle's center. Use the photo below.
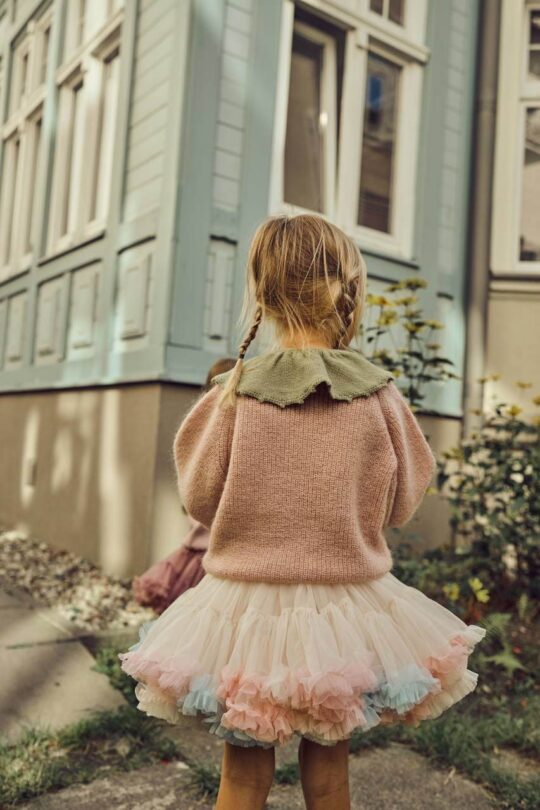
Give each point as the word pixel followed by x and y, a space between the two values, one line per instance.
pixel 84 596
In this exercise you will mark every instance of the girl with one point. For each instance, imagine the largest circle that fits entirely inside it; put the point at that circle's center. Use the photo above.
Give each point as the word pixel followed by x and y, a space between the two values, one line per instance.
pixel 167 579
pixel 297 461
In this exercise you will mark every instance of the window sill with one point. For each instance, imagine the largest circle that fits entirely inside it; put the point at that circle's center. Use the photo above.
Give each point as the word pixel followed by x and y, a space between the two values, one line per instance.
pixel 389 256
pixel 74 244
pixel 8 273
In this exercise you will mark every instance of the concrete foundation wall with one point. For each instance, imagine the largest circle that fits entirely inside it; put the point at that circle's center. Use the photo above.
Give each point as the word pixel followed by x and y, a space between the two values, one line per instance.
pixel 92 471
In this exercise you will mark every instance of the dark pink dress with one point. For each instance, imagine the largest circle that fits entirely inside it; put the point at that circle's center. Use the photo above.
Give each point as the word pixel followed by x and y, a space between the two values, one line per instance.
pixel 167 579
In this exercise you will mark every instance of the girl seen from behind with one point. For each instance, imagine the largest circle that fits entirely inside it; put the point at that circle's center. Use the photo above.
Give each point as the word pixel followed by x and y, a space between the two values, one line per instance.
pixel 297 461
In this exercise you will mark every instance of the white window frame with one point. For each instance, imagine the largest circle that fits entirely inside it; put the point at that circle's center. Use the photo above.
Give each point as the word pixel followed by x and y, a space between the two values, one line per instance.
pixel 87 63
pixel 23 111
pixel 328 108
pixel 515 94
pixel 365 30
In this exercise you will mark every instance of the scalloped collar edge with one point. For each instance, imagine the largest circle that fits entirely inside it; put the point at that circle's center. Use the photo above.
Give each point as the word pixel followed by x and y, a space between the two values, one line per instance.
pixel 288 376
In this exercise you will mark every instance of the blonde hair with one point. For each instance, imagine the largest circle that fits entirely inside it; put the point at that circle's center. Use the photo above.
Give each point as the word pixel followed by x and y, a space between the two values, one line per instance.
pixel 307 278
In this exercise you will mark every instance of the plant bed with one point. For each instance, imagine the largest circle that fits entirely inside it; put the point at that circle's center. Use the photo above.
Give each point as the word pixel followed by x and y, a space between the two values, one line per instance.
pixel 89 602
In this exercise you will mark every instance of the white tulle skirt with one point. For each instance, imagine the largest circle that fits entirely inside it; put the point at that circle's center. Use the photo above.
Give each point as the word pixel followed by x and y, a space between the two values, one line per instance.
pixel 262 662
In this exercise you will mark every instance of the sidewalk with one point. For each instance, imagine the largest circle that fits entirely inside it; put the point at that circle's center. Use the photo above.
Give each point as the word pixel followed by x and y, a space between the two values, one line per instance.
pixel 392 778
pixel 47 678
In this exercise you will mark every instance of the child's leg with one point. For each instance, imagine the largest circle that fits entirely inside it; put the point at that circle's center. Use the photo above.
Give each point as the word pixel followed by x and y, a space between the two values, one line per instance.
pixel 324 771
pixel 246 778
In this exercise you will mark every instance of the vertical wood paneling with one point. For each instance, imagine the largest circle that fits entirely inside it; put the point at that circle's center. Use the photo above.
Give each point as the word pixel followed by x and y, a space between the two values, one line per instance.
pixel 151 90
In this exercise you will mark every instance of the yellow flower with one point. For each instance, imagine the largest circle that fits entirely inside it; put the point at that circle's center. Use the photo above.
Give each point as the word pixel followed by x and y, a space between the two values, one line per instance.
pixel 452 591
pixel 536 400
pixel 406 300
pixel 413 328
pixel 387 319
pixel 413 283
pixel 524 385
pixel 432 491
pixel 489 378
pixel 514 410
pixel 379 300
pixel 434 324
pixel 481 594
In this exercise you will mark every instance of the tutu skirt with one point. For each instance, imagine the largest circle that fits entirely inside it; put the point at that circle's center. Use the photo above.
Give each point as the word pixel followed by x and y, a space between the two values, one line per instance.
pixel 261 662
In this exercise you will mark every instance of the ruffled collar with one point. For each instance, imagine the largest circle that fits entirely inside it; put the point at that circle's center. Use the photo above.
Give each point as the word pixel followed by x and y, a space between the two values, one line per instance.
pixel 289 376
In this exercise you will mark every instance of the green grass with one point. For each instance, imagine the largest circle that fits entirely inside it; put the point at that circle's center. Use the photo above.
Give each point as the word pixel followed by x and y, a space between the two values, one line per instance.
pixel 287 774
pixel 205 780
pixel 469 738
pixel 44 761
pixel 108 663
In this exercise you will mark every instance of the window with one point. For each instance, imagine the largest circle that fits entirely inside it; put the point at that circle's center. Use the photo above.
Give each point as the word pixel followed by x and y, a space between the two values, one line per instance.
pixel 378 144
pixel 534 46
pixel 105 139
pixel 348 110
pixel 392 10
pixel 88 87
pixel 515 241
pixel 311 121
pixel 529 234
pixel 529 226
pixel 21 136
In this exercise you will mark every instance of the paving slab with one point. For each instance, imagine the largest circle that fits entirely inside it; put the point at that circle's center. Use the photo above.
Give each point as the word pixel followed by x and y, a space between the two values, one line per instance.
pixel 23 626
pixel 47 678
pixel 158 787
pixel 395 778
pixel 392 778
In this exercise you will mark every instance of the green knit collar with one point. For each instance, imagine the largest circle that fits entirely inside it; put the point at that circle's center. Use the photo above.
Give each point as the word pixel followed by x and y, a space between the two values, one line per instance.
pixel 288 376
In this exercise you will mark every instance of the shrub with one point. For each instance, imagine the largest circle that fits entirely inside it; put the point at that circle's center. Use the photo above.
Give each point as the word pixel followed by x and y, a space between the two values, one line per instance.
pixel 491 481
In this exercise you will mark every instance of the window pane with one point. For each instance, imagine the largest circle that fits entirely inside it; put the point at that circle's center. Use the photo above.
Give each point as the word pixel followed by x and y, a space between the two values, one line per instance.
pixel 44 54
pixel 304 156
pixel 73 163
pixel 378 144
pixel 9 194
pixel 106 138
pixel 376 6
pixel 529 239
pixel 534 65
pixel 29 216
pixel 534 37
pixel 395 11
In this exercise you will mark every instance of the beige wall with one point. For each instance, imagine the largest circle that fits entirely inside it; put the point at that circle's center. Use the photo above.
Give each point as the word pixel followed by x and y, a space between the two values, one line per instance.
pixel 430 527
pixel 513 342
pixel 92 471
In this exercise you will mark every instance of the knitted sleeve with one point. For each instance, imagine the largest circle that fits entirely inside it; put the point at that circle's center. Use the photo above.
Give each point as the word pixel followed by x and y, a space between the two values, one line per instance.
pixel 201 454
pixel 415 461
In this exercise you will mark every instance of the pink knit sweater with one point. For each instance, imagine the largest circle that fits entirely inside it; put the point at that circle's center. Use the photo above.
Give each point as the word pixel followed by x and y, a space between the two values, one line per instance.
pixel 302 493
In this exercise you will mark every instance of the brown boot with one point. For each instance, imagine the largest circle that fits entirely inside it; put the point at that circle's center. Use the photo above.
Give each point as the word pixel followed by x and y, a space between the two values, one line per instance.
pixel 324 771
pixel 246 778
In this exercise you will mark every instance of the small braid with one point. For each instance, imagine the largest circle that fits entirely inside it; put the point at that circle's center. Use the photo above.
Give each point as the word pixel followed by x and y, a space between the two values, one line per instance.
pixel 244 346
pixel 348 307
pixel 229 392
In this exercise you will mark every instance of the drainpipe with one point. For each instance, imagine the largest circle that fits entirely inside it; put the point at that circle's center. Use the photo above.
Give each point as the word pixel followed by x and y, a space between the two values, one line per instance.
pixel 480 216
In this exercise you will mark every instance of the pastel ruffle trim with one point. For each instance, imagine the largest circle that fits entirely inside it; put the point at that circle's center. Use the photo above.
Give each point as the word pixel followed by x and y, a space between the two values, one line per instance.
pixel 250 709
